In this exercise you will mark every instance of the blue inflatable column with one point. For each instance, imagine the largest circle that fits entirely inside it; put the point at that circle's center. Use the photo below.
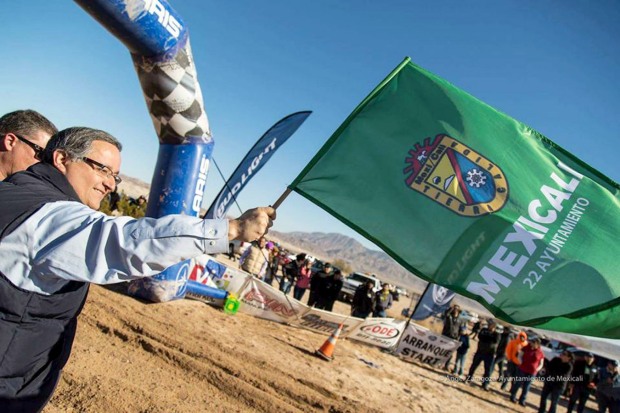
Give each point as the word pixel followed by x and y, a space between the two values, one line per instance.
pixel 158 41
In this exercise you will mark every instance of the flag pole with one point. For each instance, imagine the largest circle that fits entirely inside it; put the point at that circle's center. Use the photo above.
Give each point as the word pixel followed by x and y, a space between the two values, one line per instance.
pixel 275 206
pixel 409 318
pixel 419 301
pixel 226 184
pixel 282 198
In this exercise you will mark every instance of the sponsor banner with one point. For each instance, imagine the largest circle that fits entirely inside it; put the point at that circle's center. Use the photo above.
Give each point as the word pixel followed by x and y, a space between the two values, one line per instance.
pixel 435 300
pixel 206 270
pixel 422 345
pixel 168 285
pixel 254 160
pixel 214 273
pixel 381 332
pixel 327 322
pixel 264 301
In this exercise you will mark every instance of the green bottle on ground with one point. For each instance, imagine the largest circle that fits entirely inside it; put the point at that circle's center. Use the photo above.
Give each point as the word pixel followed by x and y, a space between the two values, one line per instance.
pixel 231 305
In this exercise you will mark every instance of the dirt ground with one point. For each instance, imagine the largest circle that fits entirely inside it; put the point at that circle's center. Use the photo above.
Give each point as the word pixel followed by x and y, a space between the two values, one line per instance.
pixel 186 356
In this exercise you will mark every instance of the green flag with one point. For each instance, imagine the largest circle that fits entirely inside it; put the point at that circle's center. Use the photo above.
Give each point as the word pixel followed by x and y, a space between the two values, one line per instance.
pixel 471 199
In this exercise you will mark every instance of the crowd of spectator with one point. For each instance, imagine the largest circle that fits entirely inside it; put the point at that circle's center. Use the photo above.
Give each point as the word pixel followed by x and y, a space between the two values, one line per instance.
pixel 309 277
pixel 520 362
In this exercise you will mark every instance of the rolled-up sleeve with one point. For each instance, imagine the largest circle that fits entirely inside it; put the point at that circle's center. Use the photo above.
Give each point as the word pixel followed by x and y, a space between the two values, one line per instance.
pixel 69 241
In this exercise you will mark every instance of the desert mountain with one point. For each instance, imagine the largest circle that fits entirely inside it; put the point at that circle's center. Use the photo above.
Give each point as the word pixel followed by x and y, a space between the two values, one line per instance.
pixel 133 187
pixel 333 246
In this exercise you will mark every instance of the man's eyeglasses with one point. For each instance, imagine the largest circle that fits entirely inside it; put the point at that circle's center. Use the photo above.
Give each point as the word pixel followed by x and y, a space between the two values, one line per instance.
pixel 38 151
pixel 103 169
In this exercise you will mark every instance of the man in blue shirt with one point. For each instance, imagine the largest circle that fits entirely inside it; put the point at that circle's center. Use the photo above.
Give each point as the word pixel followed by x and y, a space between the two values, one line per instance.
pixel 53 243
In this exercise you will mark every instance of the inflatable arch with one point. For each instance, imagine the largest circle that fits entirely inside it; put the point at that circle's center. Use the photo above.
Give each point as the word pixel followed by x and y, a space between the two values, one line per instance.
pixel 158 41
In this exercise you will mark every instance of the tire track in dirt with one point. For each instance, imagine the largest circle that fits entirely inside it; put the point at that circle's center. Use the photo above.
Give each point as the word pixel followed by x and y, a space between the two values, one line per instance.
pixel 186 357
pixel 265 391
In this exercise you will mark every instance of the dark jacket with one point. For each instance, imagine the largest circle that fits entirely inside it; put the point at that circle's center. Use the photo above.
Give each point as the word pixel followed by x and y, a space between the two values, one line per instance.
pixel 487 341
pixel 451 325
pixel 583 374
pixel 363 301
pixel 318 283
pixel 332 288
pixel 608 384
pixel 36 330
pixel 557 373
pixel 503 343
pixel 464 339
pixel 291 271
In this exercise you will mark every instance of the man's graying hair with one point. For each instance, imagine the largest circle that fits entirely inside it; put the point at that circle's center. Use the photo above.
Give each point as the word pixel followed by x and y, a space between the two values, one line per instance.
pixel 76 142
pixel 26 122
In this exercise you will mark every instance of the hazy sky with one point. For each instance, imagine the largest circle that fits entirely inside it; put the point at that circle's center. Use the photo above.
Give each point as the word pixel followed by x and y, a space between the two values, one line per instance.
pixel 553 65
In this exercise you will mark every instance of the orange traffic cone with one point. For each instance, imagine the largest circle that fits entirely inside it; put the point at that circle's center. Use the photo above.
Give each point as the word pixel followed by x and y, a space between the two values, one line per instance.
pixel 327 349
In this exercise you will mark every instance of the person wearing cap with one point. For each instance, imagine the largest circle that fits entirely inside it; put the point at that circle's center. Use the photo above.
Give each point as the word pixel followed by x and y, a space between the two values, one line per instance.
pixel 557 375
pixel 608 388
pixel 532 361
pixel 581 384
pixel 488 340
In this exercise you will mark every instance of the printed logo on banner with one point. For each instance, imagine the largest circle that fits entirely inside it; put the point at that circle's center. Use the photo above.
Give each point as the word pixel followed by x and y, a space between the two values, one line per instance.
pixel 181 278
pixel 167 20
pixel 456 177
pixel 198 274
pixel 316 322
pixel 258 300
pixel 223 203
pixel 231 280
pixel 441 295
pixel 215 269
pixel 201 183
pixel 211 270
pixel 380 330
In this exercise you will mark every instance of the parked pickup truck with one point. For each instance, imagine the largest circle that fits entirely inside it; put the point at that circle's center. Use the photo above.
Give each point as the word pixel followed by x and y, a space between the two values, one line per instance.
pixel 353 281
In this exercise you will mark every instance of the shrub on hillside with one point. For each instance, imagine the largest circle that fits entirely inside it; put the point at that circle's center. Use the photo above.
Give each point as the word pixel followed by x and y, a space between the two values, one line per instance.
pixel 126 206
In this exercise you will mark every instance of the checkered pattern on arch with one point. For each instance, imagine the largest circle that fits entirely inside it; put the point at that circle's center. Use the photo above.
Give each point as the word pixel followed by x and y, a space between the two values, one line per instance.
pixel 173 96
